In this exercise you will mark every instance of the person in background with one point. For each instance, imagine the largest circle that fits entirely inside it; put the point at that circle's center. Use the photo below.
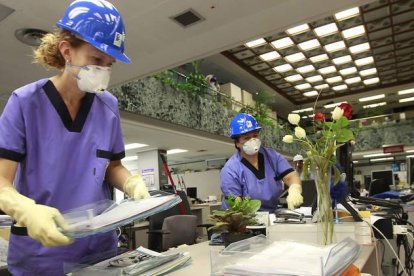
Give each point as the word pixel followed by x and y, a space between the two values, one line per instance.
pixel 257 171
pixel 298 165
pixel 61 142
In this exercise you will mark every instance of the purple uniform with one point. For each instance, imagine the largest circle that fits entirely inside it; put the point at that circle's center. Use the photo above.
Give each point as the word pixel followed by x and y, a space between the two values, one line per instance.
pixel 62 165
pixel 240 178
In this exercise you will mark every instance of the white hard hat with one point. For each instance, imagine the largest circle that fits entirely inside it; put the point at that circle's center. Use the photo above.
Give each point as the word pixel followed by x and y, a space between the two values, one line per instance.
pixel 297 157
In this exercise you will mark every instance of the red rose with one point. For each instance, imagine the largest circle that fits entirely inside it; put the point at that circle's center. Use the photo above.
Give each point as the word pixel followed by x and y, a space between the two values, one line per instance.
pixel 319 117
pixel 347 108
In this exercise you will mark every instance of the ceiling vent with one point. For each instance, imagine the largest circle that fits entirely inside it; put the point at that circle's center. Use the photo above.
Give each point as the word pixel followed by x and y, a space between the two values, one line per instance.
pixel 29 36
pixel 187 18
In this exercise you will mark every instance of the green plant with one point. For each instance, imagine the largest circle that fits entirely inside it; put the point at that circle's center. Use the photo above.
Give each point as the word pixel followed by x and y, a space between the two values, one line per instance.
pixel 260 111
pixel 241 213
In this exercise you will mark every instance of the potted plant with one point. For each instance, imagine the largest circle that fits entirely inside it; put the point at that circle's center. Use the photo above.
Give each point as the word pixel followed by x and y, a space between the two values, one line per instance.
pixel 232 222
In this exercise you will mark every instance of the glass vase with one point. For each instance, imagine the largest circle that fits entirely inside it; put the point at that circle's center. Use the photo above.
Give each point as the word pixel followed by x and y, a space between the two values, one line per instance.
pixel 321 170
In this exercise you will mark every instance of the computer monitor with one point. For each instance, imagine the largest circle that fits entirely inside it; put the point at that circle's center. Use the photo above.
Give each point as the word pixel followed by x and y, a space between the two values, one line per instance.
pixel 385 177
pixel 410 171
pixel 308 192
pixel 378 186
pixel 192 192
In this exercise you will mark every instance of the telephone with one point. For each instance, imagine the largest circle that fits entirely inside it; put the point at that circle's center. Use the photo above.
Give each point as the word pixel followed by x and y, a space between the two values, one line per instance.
pixel 284 215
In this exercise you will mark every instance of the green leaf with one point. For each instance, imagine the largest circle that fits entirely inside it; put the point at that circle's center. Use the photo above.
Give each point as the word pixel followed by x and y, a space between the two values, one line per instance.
pixel 340 123
pixel 344 135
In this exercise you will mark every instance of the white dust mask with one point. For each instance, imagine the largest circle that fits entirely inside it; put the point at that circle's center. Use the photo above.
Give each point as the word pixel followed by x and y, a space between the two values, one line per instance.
pixel 92 78
pixel 252 146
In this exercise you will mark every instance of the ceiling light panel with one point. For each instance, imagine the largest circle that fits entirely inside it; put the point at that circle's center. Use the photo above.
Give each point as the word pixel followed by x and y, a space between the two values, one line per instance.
pixel 310 93
pixel 255 43
pixel 321 86
pixel 319 58
pixel 334 79
pixel 314 78
pixel 364 61
pixel 270 56
pixel 372 98
pixel 343 15
pixel 303 110
pixel 371 81
pixel 353 32
pixel 353 80
pixel 406 100
pixel 336 46
pixel 283 68
pixel 309 45
pixel 305 69
pixel 294 78
pixel 303 86
pixel 342 60
pixel 340 87
pixel 367 72
pixel 359 48
pixel 295 57
pixel 374 105
pixel 298 29
pixel 282 43
pixel 348 71
pixel 326 30
pixel 327 70
pixel 327 106
pixel 406 91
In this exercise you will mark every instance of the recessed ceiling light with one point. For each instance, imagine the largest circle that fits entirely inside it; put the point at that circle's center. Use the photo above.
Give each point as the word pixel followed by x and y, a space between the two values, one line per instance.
pixel 371 81
pixel 406 100
pixel 364 61
pixel 314 78
pixel 336 46
pixel 327 70
pixel 283 68
pixel 348 71
pixel 134 146
pixel 326 30
pixel 353 32
pixel 303 86
pixel 321 86
pixel 381 159
pixel 303 110
pixel 334 79
pixel 319 58
pixel 305 69
pixel 371 98
pixel 295 57
pixel 310 93
pixel 255 43
pixel 340 87
pixel 406 91
pixel 353 80
pixel 374 105
pixel 359 48
pixel 298 29
pixel 174 151
pixel 342 60
pixel 327 106
pixel 294 78
pixel 347 14
pixel 270 56
pixel 368 72
pixel 375 154
pixel 282 43
pixel 309 45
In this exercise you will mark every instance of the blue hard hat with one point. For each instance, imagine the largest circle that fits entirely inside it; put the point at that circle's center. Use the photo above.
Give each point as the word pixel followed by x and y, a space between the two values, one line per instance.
pixel 243 123
pixel 99 23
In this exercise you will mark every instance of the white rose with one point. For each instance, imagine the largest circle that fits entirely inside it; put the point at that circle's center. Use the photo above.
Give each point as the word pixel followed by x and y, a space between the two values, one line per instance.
pixel 287 139
pixel 337 113
pixel 300 132
pixel 294 119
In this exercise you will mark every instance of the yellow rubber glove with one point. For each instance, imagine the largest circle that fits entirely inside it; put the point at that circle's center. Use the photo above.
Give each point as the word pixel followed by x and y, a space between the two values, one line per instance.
pixel 135 187
pixel 295 198
pixel 41 221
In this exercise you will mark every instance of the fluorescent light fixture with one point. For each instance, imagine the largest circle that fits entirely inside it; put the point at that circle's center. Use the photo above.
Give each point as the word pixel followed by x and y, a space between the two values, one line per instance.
pixel 368 72
pixel 371 81
pixel 340 87
pixel 355 161
pixel 305 69
pixel 371 98
pixel 347 71
pixel 406 100
pixel 295 57
pixel 294 78
pixel 326 30
pixel 309 45
pixel 336 46
pixel 311 93
pixel 334 79
pixel 130 158
pixel 381 159
pixel 347 14
pixel 359 48
pixel 376 154
pixel 134 146
pixel 303 110
pixel 174 151
pixel 342 60
pixel 270 56
pixel 283 68
pixel 298 29
pixel 409 151
pixel 327 70
pixel 406 91
pixel 327 106
pixel 303 86
pixel 353 32
pixel 282 43
pixel 409 156
pixel 364 61
pixel 319 58
pixel 255 43
pixel 374 105
pixel 353 80
pixel 321 86
pixel 314 78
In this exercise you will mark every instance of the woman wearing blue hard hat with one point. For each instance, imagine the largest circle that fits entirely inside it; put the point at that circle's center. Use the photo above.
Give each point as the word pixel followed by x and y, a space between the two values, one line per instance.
pixel 61 142
pixel 257 171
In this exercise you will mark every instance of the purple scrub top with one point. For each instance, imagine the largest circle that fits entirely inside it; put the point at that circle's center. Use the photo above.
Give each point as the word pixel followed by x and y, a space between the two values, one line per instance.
pixel 62 164
pixel 240 178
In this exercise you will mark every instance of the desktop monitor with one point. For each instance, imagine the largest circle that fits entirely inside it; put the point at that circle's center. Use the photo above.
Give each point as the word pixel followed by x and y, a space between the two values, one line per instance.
pixel 192 192
pixel 381 181
pixel 410 171
pixel 378 186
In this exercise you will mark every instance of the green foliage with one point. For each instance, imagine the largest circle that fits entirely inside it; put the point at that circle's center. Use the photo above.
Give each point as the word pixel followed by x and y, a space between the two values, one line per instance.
pixel 241 213
pixel 260 112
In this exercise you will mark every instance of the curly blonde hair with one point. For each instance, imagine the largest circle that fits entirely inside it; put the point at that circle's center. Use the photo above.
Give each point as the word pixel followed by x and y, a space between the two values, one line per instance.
pixel 48 53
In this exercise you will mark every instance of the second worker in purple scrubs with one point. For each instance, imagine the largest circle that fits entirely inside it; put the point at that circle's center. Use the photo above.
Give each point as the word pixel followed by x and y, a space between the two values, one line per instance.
pixel 257 171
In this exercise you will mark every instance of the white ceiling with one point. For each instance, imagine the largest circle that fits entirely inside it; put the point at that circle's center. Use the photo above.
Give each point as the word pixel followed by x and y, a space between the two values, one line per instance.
pixel 154 43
